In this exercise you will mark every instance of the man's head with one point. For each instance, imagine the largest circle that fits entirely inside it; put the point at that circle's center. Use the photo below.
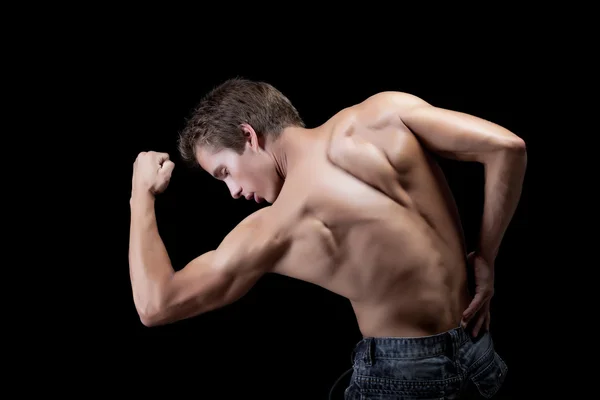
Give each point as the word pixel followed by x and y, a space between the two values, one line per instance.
pixel 231 133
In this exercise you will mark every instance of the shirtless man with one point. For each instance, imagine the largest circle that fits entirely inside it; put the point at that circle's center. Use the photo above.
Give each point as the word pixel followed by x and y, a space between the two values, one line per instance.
pixel 358 207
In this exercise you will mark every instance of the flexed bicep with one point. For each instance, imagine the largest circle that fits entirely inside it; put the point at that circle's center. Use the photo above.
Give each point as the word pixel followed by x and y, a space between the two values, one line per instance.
pixel 222 276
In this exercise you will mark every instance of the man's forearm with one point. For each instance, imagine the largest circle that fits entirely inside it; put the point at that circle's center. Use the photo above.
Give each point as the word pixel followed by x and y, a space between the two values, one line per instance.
pixel 504 174
pixel 149 264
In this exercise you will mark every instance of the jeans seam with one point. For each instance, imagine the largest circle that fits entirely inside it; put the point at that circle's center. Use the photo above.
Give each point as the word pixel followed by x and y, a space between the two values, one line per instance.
pixel 479 361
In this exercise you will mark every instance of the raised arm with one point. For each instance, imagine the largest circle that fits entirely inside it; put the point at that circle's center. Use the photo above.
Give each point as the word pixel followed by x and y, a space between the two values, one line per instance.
pixel 451 134
pixel 466 137
pixel 212 280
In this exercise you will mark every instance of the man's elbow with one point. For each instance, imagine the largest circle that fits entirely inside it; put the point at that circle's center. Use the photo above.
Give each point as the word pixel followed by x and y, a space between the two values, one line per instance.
pixel 517 152
pixel 166 309
pixel 511 154
pixel 504 148
pixel 148 321
pixel 516 145
pixel 150 316
pixel 152 310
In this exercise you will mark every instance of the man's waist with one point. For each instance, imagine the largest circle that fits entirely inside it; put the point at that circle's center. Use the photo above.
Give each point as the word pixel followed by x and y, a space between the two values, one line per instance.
pixel 411 347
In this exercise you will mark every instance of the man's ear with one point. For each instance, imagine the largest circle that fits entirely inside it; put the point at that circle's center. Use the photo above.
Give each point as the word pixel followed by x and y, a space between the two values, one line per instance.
pixel 252 139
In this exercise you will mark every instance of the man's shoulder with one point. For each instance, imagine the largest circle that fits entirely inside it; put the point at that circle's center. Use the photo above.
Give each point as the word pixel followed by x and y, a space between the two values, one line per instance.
pixel 260 219
pixel 391 101
pixel 380 104
pixel 276 219
pixel 391 97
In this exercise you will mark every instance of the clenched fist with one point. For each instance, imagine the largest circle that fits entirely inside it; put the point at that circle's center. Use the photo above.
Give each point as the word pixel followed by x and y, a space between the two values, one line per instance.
pixel 151 172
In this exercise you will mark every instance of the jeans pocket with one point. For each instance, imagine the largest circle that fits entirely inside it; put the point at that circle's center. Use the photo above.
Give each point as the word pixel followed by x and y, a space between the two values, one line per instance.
pixel 491 377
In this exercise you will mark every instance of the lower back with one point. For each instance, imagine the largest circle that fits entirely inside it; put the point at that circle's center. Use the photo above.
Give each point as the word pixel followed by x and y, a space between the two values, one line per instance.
pixel 401 279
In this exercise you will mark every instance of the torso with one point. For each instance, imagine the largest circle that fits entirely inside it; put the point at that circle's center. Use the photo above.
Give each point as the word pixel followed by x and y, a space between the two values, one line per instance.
pixel 402 266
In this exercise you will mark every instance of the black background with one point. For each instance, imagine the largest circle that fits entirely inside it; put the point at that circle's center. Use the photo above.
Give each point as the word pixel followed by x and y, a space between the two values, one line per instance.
pixel 285 338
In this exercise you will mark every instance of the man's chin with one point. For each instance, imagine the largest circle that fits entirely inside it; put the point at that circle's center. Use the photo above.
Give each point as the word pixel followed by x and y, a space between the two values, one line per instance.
pixel 269 200
pixel 272 197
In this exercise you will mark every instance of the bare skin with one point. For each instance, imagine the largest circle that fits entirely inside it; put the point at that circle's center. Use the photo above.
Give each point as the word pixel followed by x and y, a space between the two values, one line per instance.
pixel 359 208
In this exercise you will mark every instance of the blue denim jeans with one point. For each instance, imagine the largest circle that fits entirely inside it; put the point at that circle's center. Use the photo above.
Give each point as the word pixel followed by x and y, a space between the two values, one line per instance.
pixel 450 365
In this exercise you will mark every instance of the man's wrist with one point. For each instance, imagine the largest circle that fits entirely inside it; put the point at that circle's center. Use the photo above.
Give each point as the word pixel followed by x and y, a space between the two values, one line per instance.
pixel 141 198
pixel 488 256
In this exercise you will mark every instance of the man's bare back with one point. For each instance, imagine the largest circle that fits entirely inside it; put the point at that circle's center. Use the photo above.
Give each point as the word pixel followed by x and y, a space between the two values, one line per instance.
pixel 401 262
pixel 359 207
pixel 370 218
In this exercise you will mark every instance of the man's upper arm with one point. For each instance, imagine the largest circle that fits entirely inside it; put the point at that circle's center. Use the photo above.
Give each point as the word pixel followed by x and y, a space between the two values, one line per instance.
pixel 449 133
pixel 222 276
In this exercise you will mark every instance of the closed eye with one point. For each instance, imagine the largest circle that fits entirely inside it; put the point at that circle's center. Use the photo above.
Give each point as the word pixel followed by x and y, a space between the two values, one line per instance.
pixel 220 173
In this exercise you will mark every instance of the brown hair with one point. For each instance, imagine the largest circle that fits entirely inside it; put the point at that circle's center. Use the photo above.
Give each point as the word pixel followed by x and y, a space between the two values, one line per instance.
pixel 216 120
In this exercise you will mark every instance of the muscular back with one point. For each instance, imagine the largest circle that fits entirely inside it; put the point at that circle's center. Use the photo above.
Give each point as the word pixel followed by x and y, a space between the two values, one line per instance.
pixel 398 257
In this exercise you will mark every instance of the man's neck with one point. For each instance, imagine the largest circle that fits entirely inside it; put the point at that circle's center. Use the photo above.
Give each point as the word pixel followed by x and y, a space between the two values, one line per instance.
pixel 286 148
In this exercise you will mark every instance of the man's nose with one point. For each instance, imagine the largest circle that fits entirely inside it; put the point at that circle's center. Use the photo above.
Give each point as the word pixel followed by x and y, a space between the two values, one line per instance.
pixel 236 191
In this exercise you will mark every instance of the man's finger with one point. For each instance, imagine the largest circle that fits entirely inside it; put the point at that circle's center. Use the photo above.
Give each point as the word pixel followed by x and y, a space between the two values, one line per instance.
pixel 487 321
pixel 167 167
pixel 475 305
pixel 162 157
pixel 470 258
pixel 480 321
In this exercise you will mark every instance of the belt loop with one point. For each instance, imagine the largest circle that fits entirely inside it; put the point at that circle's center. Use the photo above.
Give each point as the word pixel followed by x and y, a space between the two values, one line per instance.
pixel 451 345
pixel 369 352
pixel 456 340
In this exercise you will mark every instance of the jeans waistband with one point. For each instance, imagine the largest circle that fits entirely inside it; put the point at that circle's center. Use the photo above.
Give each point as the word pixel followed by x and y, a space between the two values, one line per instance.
pixel 371 348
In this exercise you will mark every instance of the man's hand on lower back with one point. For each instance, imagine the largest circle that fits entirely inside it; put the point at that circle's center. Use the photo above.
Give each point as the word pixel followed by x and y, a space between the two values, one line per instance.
pixel 477 314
